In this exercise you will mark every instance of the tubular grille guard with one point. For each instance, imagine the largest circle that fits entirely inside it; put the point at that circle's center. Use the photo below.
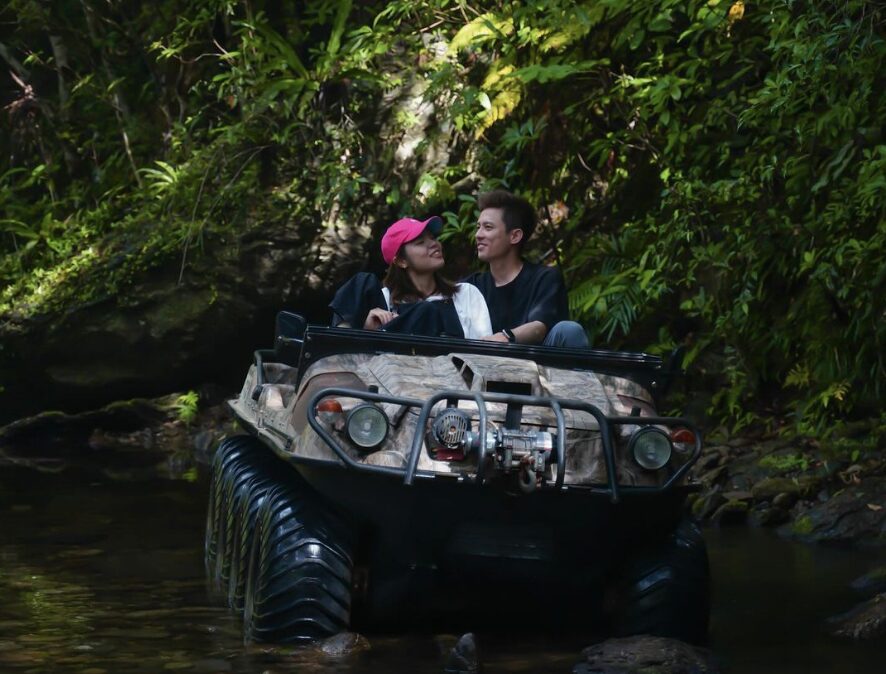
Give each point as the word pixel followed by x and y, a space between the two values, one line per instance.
pixel 556 405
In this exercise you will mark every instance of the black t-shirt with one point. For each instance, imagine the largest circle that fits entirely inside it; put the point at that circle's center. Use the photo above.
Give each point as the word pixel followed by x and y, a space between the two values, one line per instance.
pixel 538 293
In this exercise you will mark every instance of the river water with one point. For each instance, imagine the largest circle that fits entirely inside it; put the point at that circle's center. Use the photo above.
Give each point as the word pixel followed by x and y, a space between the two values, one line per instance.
pixel 101 570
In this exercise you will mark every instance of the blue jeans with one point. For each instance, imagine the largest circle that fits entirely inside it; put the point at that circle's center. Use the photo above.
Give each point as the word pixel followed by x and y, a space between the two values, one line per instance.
pixel 567 333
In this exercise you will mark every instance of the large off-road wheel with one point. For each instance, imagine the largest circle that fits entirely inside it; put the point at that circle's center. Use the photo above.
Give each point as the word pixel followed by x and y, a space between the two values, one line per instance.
pixel 300 565
pixel 665 590
pixel 248 499
pixel 230 452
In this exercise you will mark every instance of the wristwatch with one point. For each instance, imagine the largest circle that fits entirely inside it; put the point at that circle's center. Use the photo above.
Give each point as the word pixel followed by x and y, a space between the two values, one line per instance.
pixel 507 332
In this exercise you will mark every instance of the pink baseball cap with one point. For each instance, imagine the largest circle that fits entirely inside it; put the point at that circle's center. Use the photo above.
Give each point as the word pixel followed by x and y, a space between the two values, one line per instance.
pixel 404 231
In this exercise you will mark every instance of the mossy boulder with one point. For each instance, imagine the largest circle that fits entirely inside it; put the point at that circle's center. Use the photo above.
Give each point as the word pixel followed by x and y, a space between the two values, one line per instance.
pixel 731 513
pixel 856 516
pixel 769 488
pixel 168 331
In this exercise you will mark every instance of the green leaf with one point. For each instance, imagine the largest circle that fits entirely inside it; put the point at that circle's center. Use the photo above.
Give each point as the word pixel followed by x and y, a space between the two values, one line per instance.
pixel 18 228
pixel 482 29
pixel 661 23
pixel 338 27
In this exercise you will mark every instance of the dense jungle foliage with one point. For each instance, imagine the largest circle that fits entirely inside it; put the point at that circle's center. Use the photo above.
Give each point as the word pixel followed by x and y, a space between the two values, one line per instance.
pixel 709 172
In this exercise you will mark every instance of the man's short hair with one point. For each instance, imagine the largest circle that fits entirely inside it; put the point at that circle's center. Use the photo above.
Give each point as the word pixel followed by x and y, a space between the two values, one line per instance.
pixel 516 211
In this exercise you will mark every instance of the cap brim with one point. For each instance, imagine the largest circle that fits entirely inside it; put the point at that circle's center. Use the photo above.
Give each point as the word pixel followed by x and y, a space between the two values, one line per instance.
pixel 434 225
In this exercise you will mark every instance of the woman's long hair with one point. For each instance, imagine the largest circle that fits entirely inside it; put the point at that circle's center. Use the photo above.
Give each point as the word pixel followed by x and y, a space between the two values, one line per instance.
pixel 403 289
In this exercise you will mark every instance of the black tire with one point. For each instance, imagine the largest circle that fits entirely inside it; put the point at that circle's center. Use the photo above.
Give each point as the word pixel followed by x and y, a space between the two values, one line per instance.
pixel 228 450
pixel 665 591
pixel 237 462
pixel 250 501
pixel 300 564
pixel 248 476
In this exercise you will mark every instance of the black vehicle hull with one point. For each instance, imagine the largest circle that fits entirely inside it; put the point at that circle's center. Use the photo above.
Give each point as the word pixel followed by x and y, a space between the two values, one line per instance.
pixel 444 518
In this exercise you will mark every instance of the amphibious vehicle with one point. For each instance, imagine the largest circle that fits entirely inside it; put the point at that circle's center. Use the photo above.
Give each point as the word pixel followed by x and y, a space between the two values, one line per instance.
pixel 384 477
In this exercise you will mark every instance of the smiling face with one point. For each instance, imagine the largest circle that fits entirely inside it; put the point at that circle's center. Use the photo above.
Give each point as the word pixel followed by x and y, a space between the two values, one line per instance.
pixel 494 241
pixel 422 255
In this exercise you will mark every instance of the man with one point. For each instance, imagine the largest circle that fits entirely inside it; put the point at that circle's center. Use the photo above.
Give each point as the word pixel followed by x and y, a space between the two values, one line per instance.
pixel 527 302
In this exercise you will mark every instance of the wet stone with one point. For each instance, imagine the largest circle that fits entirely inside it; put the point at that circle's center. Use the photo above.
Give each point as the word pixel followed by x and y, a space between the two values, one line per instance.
pixel 714 476
pixel 854 516
pixel 764 515
pixel 784 500
pixel 771 487
pixel 873 582
pixel 645 655
pixel 731 513
pixel 739 483
pixel 865 621
pixel 707 505
pixel 344 644
pixel 464 658
pixel 737 495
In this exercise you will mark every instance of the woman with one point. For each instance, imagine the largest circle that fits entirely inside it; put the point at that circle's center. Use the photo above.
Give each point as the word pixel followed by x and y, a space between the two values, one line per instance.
pixel 414 297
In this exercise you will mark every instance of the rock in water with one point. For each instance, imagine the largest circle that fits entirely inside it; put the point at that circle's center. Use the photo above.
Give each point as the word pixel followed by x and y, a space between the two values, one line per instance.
pixel 865 621
pixel 645 655
pixel 873 582
pixel 464 658
pixel 344 644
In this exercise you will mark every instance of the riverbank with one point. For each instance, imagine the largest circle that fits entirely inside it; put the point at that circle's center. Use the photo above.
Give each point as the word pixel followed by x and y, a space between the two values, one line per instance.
pixel 830 492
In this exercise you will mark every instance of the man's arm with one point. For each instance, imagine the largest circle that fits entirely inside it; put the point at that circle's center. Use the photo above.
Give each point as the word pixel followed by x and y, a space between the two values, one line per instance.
pixel 528 333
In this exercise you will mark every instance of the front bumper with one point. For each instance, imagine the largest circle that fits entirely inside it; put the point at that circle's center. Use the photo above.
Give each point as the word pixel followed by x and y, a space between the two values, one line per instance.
pixel 515 403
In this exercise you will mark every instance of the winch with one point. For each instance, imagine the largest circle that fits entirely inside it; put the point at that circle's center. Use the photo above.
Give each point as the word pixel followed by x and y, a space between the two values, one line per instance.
pixel 451 439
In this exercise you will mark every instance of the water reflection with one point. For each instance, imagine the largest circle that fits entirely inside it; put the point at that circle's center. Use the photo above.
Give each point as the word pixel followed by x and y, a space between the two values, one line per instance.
pixel 101 570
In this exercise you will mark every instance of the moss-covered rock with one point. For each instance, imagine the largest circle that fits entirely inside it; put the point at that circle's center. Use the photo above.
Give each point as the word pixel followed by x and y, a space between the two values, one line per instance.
pixel 161 334
pixel 731 513
pixel 769 488
pixel 855 516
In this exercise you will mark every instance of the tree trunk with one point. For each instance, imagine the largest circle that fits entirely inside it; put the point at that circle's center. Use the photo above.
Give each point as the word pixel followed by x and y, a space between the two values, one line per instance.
pixel 60 52
pixel 121 109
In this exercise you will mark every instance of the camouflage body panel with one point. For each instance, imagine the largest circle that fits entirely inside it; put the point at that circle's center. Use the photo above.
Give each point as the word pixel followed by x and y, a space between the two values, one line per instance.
pixel 279 415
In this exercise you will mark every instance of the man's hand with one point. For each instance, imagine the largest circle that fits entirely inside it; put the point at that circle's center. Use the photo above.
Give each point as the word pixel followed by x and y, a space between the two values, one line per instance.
pixel 497 337
pixel 377 318
pixel 529 333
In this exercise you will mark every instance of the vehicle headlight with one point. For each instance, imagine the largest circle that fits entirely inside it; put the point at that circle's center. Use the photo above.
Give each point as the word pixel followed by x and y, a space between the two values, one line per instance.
pixel 651 448
pixel 366 426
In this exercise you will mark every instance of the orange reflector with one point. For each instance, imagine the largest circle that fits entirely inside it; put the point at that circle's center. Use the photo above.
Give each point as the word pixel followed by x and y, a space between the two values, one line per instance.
pixel 683 435
pixel 329 405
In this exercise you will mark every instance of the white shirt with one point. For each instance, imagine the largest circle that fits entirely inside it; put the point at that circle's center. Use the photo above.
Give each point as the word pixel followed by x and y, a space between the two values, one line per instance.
pixel 470 305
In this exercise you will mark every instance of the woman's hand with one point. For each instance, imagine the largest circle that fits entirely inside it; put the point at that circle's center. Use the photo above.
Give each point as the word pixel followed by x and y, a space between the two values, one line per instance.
pixel 377 318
